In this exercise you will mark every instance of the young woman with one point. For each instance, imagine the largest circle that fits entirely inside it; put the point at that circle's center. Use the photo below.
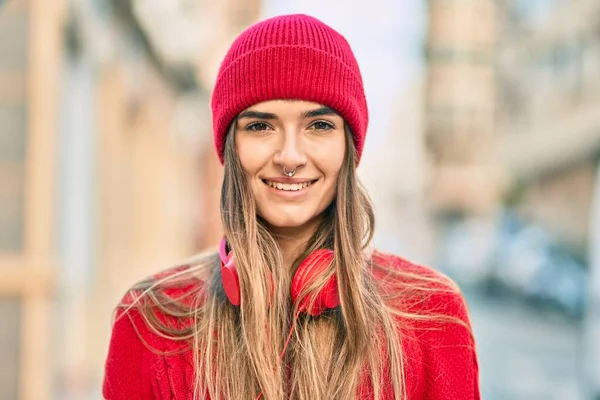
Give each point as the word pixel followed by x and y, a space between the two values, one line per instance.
pixel 296 304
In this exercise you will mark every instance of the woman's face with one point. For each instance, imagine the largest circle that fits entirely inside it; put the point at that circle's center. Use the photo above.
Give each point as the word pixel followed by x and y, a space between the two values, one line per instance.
pixel 296 135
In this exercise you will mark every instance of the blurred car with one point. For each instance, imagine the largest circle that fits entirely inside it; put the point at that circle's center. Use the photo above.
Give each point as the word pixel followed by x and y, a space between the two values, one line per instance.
pixel 517 258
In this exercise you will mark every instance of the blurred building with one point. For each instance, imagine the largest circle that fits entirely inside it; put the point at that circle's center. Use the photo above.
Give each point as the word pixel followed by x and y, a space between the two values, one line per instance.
pixel 548 138
pixel 511 109
pixel 107 170
pixel 548 124
pixel 459 107
pixel 513 121
pixel 30 45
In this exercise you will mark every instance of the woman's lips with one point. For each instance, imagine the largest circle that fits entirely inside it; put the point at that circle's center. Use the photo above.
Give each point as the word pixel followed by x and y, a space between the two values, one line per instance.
pixel 289 188
pixel 293 187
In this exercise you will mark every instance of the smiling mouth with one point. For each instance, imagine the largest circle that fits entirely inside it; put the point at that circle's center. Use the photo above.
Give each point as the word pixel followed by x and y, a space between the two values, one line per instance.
pixel 288 187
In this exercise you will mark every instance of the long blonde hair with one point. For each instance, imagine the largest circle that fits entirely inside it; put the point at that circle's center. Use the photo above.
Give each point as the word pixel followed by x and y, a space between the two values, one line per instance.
pixel 237 349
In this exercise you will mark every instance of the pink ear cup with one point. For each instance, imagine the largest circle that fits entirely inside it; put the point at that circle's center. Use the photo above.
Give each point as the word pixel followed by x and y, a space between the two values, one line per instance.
pixel 312 266
pixel 330 297
pixel 229 275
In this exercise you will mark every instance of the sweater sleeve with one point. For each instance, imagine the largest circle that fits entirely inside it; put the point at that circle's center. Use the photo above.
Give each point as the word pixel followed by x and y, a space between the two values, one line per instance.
pixel 129 360
pixel 451 367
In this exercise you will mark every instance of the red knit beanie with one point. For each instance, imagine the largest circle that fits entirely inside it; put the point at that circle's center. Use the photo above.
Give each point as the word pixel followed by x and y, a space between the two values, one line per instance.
pixel 289 57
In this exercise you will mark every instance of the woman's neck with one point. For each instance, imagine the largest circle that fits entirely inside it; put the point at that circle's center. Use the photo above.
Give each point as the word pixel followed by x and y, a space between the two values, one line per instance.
pixel 291 247
pixel 293 240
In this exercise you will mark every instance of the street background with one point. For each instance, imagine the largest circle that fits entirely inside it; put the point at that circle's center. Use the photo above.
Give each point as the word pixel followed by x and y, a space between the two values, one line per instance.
pixel 481 158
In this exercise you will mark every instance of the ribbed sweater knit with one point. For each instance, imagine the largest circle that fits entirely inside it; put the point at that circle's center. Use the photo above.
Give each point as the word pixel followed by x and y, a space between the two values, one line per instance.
pixel 440 358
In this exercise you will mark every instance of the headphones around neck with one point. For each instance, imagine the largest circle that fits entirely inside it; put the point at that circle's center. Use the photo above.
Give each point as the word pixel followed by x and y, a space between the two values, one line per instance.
pixel 311 267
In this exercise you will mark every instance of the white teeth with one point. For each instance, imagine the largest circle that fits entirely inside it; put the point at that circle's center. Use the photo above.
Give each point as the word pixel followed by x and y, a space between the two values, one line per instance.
pixel 288 186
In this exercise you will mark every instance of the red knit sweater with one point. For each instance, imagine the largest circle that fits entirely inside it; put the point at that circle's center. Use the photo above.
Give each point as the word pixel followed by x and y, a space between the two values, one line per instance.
pixel 440 363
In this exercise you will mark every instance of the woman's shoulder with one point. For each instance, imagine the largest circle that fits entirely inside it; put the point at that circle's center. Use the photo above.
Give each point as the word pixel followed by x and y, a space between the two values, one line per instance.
pixel 181 283
pixel 168 299
pixel 436 326
pixel 153 321
pixel 418 288
pixel 398 272
pixel 162 305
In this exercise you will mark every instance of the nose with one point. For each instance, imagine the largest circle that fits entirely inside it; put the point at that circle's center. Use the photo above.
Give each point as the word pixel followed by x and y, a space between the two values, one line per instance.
pixel 291 154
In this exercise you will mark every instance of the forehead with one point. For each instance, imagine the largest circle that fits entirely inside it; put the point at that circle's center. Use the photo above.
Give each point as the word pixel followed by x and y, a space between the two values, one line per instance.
pixel 282 107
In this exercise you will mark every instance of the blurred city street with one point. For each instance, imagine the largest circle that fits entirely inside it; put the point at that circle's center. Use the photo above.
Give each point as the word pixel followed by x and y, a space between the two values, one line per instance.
pixel 482 161
pixel 524 353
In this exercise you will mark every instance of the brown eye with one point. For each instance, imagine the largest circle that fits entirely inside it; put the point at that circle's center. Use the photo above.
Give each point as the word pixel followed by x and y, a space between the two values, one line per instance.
pixel 322 126
pixel 257 126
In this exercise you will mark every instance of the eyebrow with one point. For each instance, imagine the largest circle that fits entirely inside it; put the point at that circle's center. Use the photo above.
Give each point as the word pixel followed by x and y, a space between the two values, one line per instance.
pixel 321 111
pixel 257 115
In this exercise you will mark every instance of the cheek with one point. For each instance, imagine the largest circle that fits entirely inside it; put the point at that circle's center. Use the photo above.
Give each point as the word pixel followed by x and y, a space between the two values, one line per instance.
pixel 330 156
pixel 251 157
pixel 330 167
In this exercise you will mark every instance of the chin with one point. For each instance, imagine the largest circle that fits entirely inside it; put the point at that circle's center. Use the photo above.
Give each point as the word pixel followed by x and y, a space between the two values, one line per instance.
pixel 287 219
pixel 283 222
